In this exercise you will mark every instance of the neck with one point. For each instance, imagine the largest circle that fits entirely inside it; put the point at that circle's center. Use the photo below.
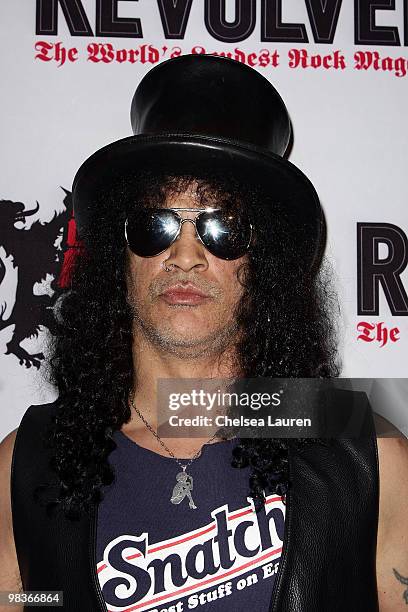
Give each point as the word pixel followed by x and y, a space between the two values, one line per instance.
pixel 152 362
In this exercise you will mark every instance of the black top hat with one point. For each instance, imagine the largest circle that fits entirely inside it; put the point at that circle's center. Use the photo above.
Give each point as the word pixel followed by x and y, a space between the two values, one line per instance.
pixel 204 111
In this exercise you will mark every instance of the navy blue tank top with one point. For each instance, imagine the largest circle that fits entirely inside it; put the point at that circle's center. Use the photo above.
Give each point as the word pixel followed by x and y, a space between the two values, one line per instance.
pixel 211 551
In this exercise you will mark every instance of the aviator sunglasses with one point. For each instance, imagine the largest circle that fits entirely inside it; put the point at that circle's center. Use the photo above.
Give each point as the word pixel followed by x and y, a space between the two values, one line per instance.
pixel 225 234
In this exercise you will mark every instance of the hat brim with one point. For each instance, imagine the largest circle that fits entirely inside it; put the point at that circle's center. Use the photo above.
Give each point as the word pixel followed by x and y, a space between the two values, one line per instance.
pixel 279 177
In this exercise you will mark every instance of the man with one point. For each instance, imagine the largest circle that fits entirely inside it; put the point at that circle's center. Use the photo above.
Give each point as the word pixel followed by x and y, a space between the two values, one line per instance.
pixel 202 250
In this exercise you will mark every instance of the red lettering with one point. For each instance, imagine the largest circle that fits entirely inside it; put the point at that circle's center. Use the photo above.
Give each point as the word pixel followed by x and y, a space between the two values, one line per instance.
pixel 364 60
pixel 198 50
pixel 301 58
pixel 394 334
pixel 382 333
pixel 100 52
pixel 378 332
pixel 55 52
pixel 43 48
pixel 366 329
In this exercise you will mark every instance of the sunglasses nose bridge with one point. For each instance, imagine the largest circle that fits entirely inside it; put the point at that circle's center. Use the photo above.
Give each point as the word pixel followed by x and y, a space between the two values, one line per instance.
pixel 187 251
pixel 193 221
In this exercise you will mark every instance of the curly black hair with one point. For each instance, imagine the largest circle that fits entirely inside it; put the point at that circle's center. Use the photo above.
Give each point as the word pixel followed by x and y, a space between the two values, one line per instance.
pixel 91 349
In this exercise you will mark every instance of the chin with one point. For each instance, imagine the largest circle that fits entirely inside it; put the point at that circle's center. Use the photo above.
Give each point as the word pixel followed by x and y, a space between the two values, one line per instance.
pixel 186 326
pixel 180 316
pixel 184 334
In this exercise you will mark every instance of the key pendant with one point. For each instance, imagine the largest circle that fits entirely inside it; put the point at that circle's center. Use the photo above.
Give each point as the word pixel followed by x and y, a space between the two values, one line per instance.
pixel 183 489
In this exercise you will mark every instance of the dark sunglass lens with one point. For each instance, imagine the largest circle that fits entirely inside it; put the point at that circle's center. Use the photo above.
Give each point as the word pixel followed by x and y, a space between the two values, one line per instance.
pixel 151 231
pixel 225 234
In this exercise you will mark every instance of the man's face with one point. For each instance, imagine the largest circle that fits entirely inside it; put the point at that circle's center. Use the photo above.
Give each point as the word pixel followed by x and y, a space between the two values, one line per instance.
pixel 181 321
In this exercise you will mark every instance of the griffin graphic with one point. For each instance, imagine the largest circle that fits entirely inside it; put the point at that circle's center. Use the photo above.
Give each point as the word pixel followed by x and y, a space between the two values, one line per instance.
pixel 27 256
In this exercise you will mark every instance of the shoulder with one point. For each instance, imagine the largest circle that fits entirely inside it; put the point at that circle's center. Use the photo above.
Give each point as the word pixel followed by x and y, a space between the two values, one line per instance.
pixel 29 455
pixel 34 421
pixel 24 438
pixel 6 454
pixel 9 571
pixel 38 413
pixel 393 473
pixel 393 470
pixel 392 539
pixel 6 457
pixel 36 416
pixel 30 443
pixel 385 429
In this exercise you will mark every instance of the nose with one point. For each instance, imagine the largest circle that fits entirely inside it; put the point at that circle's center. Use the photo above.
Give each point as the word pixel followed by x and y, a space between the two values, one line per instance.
pixel 187 252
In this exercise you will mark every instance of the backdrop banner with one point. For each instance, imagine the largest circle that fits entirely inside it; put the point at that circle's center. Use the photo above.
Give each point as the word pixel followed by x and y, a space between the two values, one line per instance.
pixel 69 72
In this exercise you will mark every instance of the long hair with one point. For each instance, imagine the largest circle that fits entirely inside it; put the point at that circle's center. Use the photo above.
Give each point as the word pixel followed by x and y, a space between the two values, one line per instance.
pixel 90 359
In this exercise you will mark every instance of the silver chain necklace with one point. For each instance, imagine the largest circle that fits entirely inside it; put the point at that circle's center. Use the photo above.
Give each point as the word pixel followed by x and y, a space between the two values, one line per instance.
pixel 184 484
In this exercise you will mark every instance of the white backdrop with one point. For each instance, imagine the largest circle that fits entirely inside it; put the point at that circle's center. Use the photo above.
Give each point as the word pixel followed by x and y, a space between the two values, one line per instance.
pixel 350 135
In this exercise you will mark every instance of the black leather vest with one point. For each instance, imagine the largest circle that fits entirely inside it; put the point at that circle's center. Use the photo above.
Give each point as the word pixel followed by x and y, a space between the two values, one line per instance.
pixel 329 551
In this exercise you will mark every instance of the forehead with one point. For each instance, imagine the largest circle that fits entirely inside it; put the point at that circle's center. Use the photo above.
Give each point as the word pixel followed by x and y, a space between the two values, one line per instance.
pixel 186 196
pixel 152 189
pixel 190 192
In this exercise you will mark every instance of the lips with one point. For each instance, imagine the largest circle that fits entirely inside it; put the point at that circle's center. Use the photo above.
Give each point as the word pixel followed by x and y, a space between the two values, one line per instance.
pixel 188 294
